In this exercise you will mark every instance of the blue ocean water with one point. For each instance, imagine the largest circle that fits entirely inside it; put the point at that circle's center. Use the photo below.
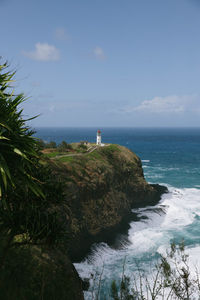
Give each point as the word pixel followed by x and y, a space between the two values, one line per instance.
pixel 170 157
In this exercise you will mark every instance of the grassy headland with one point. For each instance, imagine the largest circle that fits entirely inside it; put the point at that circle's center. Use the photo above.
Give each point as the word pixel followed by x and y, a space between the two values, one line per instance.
pixel 100 187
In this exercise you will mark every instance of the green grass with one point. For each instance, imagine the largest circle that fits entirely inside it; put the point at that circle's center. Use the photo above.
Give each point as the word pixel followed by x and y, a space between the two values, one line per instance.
pixel 66 158
pixel 79 150
pixel 57 153
pixel 52 154
pixel 112 147
pixel 109 150
pixel 95 154
pixel 98 154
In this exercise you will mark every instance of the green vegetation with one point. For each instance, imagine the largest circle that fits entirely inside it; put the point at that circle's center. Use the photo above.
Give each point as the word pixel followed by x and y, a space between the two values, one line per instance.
pixel 18 148
pixel 64 152
pixel 83 147
pixel 64 146
pixel 51 150
pixel 51 199
pixel 95 155
pixel 112 148
pixel 25 186
pixel 33 223
pixel 110 151
pixel 53 154
pixel 42 145
pixel 29 193
pixel 51 145
pixel 66 159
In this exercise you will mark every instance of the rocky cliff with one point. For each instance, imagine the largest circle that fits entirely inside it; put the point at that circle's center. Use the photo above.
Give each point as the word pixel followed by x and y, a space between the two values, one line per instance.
pixel 101 188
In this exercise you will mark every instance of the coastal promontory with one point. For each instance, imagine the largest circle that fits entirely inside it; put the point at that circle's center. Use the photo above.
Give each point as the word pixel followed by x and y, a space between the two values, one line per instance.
pixel 101 187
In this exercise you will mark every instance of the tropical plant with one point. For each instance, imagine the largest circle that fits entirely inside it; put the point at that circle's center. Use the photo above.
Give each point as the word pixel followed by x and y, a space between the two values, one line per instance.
pixel 17 146
pixel 30 197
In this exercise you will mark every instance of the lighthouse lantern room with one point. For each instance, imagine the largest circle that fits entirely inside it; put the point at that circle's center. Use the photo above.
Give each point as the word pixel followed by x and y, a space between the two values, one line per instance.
pixel 99 137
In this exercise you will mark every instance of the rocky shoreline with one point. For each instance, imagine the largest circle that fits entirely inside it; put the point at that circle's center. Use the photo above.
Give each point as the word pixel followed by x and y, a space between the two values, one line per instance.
pixel 112 236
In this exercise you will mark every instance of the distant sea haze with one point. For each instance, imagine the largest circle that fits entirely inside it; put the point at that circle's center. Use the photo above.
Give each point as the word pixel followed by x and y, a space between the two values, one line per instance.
pixel 170 157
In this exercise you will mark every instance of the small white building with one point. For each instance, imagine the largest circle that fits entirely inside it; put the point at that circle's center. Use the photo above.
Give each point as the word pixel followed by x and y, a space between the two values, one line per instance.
pixel 98 137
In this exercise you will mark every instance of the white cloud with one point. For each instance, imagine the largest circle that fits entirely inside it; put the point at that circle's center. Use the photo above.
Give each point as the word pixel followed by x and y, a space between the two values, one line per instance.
pixel 43 52
pixel 168 104
pixel 61 34
pixel 99 53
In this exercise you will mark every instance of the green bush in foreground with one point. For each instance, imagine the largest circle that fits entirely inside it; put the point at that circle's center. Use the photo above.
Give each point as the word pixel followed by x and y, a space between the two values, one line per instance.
pixel 33 214
pixel 17 146
pixel 30 199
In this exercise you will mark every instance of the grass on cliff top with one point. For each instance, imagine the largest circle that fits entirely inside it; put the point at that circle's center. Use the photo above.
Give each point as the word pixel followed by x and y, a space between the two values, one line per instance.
pixel 53 154
pixel 66 158
pixel 77 167
pixel 111 148
pixel 99 154
pixel 94 155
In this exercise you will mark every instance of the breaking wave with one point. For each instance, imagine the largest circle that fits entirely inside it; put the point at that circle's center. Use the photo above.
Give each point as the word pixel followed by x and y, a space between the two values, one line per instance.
pixel 177 216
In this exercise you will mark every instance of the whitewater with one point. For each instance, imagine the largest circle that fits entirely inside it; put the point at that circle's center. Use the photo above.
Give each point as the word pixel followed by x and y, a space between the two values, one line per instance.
pixel 176 217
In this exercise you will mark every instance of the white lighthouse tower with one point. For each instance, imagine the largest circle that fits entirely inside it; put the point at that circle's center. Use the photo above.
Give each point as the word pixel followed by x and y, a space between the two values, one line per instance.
pixel 99 137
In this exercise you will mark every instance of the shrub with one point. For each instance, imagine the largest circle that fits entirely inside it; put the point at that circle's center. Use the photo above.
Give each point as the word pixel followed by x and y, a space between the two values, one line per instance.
pixel 29 195
pixel 64 146
pixel 82 147
pixel 51 144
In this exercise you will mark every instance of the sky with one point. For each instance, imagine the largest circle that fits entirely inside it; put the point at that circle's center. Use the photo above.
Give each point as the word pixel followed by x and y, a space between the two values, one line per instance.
pixel 115 63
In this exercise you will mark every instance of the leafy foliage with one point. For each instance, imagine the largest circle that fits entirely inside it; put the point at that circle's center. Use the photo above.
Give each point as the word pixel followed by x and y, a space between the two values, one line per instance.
pixel 30 198
pixel 64 146
pixel 17 146
pixel 51 144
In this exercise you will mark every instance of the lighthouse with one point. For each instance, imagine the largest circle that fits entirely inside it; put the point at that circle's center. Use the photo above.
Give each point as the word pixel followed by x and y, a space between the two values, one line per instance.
pixel 99 137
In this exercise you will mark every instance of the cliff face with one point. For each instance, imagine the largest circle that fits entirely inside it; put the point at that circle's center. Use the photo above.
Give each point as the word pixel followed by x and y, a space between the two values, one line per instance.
pixel 101 188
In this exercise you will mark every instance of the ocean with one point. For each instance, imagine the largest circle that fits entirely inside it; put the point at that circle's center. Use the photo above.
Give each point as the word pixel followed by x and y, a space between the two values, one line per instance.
pixel 170 157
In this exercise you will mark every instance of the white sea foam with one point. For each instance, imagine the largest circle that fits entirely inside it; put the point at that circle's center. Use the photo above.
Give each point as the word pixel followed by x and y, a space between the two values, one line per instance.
pixel 155 176
pixel 164 169
pixel 145 167
pixel 145 160
pixel 152 234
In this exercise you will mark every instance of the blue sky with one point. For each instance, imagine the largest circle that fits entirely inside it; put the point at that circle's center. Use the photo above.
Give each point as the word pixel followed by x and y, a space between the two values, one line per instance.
pixel 105 62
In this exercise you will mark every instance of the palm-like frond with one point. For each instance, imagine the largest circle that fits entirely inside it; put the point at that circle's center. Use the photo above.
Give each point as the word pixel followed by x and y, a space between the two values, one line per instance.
pixel 24 209
pixel 17 146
